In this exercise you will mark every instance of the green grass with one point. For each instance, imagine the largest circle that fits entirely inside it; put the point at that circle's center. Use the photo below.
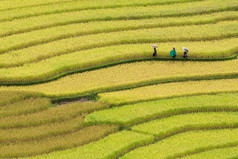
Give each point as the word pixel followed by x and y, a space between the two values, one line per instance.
pixel 186 143
pixel 106 148
pixel 136 113
pixel 179 123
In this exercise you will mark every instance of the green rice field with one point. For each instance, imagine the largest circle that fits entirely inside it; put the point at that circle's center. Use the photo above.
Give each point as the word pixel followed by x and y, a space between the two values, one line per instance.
pixel 78 79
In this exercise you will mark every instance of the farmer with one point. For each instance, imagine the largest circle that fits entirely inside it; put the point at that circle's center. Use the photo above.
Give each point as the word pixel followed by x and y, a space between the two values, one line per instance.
pixel 155 52
pixel 173 53
pixel 185 53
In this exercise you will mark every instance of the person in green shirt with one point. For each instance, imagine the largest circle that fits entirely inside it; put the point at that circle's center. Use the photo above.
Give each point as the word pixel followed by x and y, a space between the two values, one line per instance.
pixel 173 53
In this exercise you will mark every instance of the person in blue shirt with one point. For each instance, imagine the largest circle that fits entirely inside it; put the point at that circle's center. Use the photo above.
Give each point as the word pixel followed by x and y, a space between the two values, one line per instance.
pixel 173 53
pixel 185 54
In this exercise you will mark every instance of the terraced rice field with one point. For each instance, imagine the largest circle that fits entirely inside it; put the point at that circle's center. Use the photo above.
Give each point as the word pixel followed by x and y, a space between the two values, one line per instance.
pixel 78 80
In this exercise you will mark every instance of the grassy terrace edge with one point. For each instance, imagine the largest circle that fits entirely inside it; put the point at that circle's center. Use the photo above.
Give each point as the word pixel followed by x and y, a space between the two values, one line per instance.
pixel 63 74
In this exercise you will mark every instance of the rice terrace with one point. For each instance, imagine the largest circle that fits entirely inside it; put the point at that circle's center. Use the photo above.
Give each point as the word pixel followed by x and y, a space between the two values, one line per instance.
pixel 119 79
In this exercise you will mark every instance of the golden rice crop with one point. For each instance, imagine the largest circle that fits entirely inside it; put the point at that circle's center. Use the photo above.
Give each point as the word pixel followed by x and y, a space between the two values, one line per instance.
pixel 43 40
pixel 185 122
pixel 13 4
pixel 42 131
pixel 55 143
pixel 133 74
pixel 60 32
pixel 50 115
pixel 141 112
pixel 108 147
pixel 54 7
pixel 170 90
pixel 7 97
pixel 26 106
pixel 93 57
pixel 186 143
pixel 221 153
pixel 24 25
pixel 153 35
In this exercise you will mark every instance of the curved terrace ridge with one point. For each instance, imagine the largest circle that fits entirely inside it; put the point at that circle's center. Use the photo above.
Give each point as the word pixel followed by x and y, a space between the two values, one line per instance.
pixel 186 150
pixel 78 9
pixel 70 68
pixel 214 126
pixel 129 17
pixel 42 40
pixel 34 5
pixel 46 77
pixel 68 49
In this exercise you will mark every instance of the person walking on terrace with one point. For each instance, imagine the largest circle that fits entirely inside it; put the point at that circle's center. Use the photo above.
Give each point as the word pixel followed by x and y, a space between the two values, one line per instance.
pixel 173 53
pixel 185 53
pixel 155 51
